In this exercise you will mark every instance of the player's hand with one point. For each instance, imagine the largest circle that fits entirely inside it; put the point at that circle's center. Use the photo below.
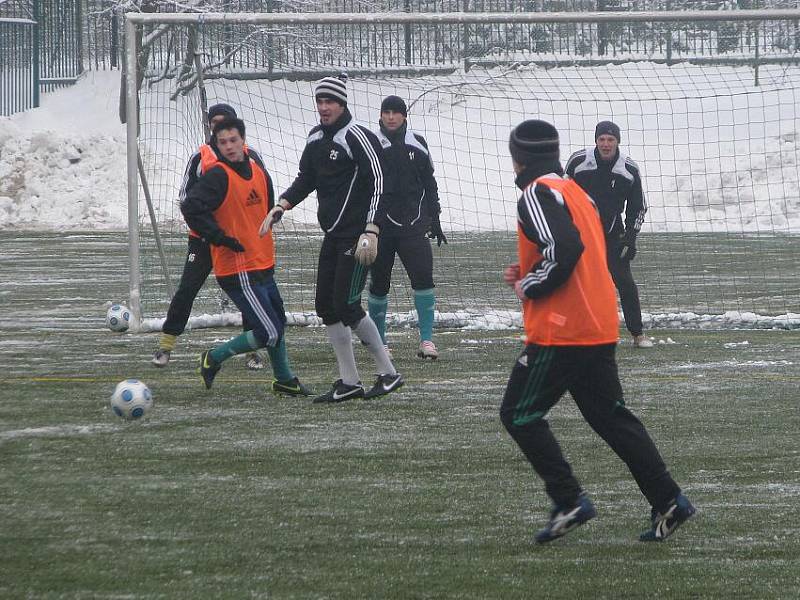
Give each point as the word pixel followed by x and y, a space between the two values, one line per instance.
pixel 230 242
pixel 627 248
pixel 511 274
pixel 435 231
pixel 273 216
pixel 519 291
pixel 367 245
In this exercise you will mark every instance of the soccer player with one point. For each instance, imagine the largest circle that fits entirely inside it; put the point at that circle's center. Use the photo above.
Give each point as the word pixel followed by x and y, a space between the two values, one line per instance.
pixel 414 211
pixel 197 267
pixel 342 162
pixel 226 207
pixel 612 179
pixel 571 325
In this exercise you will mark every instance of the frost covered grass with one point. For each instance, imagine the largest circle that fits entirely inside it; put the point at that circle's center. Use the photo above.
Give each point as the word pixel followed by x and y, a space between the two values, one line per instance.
pixel 234 493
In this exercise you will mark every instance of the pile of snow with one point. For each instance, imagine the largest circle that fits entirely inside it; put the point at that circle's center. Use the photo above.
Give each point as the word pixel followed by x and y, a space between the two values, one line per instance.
pixel 62 165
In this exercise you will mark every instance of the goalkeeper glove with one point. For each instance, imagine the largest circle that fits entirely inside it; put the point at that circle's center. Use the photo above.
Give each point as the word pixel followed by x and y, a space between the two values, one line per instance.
pixel 273 216
pixel 367 245
pixel 230 242
pixel 435 231
pixel 627 247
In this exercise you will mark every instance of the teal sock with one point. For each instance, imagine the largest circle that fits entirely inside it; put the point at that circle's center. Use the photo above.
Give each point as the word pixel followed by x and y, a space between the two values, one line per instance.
pixel 244 342
pixel 280 361
pixel 424 301
pixel 377 306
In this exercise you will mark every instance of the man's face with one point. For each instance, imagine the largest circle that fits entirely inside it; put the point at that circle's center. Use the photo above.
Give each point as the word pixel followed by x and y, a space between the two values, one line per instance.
pixel 231 144
pixel 607 146
pixel 329 110
pixel 392 120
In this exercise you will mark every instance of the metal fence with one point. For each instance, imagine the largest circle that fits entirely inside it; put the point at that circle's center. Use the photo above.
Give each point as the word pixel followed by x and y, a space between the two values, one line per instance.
pixel 73 35
pixel 41 49
pixel 60 42
pixel 19 89
pixel 103 32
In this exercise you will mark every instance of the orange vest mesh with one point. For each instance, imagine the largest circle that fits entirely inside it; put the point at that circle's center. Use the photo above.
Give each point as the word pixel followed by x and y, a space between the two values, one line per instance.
pixel 583 310
pixel 208 158
pixel 240 215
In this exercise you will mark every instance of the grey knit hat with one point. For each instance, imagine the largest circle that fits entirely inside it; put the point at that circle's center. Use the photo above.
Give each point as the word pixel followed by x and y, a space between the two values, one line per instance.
pixel 607 128
pixel 533 140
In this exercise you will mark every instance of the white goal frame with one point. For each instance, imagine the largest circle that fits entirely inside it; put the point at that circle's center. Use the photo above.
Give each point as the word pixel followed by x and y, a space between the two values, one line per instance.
pixel 134 19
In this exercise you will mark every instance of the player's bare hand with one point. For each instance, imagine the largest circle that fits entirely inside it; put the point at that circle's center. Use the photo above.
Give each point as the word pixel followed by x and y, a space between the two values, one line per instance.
pixel 519 291
pixel 511 274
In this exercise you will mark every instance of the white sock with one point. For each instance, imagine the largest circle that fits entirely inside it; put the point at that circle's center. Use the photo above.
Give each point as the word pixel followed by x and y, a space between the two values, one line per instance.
pixel 342 342
pixel 368 333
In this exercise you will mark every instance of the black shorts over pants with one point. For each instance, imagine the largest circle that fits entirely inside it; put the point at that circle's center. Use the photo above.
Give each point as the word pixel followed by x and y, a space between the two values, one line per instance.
pixel 340 281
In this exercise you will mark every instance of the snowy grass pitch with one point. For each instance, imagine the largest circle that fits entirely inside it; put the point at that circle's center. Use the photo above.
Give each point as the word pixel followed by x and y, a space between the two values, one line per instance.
pixel 234 493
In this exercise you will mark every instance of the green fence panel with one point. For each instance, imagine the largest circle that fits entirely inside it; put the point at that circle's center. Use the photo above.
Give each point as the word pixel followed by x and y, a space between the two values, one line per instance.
pixel 19 88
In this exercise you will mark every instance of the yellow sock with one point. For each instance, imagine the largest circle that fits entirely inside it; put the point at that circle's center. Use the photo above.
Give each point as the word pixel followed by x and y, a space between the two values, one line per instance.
pixel 167 342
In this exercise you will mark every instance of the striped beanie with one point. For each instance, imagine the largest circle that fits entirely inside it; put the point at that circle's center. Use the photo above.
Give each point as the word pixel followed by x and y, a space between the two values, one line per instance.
pixel 333 88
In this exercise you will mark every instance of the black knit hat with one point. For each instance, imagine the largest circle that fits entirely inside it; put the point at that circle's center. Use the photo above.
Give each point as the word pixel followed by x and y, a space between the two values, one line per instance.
pixel 533 140
pixel 607 128
pixel 394 103
pixel 221 109
pixel 332 88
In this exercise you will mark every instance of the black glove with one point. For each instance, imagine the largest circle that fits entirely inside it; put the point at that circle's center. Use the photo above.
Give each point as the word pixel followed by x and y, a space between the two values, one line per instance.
pixel 435 231
pixel 230 242
pixel 627 247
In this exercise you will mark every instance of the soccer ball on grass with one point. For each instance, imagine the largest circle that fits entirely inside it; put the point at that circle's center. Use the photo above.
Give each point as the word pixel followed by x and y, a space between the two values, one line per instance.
pixel 118 318
pixel 131 399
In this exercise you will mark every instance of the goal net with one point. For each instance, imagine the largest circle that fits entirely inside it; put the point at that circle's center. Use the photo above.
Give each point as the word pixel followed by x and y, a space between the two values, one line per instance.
pixel 707 108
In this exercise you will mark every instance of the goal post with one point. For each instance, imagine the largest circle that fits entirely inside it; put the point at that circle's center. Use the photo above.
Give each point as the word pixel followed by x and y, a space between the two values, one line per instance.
pixel 708 103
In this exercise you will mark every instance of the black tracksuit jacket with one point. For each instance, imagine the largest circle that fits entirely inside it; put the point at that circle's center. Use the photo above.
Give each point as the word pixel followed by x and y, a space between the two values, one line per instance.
pixel 416 195
pixel 343 163
pixel 615 186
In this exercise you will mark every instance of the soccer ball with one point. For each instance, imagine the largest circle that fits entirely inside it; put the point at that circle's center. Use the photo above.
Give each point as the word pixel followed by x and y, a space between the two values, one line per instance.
pixel 118 318
pixel 131 399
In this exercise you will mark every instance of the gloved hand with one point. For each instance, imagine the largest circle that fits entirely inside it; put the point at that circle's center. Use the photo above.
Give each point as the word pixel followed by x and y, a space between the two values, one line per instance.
pixel 230 242
pixel 367 245
pixel 273 216
pixel 435 231
pixel 627 247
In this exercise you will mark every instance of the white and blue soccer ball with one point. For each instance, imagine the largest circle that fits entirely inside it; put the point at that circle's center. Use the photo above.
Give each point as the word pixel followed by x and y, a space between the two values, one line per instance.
pixel 131 399
pixel 118 318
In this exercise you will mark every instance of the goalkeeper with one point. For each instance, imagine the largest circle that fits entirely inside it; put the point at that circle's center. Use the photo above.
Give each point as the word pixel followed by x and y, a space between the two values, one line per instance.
pixel 227 207
pixel 197 267
pixel 342 162
pixel 413 213
pixel 613 181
